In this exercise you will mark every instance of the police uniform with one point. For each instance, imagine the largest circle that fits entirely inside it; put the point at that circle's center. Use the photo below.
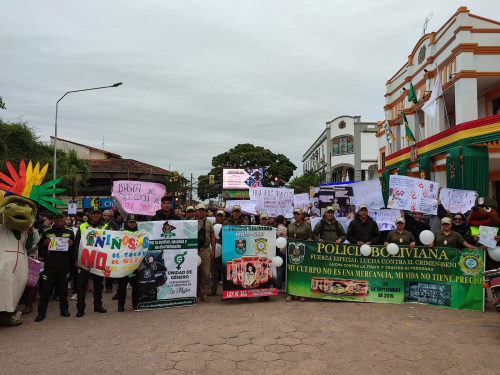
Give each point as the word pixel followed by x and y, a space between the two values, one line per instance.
pixel 83 274
pixel 404 238
pixel 56 267
pixel 206 259
pixel 452 241
pixel 299 232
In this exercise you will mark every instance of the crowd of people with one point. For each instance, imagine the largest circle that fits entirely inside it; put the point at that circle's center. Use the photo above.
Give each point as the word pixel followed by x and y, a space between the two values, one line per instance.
pixel 61 271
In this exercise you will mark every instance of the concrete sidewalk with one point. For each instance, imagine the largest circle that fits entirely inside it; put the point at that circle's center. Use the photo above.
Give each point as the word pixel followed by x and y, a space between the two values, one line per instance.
pixel 251 337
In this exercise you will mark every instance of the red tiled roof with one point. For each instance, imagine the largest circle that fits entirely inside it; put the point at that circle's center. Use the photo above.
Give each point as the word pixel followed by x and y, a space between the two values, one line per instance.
pixel 109 154
pixel 124 166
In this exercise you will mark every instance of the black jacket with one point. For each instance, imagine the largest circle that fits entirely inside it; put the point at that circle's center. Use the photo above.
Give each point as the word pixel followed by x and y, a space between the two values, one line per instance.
pixel 160 216
pixel 416 227
pixel 366 231
pixel 55 258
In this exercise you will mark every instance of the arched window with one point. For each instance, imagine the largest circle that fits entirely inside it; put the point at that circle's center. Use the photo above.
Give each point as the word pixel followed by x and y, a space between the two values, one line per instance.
pixel 343 145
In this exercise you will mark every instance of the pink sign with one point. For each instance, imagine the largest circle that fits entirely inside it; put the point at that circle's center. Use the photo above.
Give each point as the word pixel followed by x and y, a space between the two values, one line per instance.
pixel 33 272
pixel 138 197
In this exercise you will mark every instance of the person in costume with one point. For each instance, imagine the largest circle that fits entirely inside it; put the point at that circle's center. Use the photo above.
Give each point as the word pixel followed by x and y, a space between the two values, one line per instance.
pixel 24 194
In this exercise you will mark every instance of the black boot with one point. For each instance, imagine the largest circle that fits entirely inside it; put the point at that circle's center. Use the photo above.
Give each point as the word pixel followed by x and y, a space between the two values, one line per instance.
pixel 100 309
pixel 80 313
pixel 65 313
pixel 115 297
pixel 40 317
pixel 121 308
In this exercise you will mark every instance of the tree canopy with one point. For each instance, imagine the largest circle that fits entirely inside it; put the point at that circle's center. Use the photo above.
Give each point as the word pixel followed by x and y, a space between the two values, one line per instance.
pixel 246 156
pixel 303 183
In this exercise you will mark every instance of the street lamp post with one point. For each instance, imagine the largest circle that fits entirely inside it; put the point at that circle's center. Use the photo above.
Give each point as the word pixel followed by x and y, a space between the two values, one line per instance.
pixel 55 132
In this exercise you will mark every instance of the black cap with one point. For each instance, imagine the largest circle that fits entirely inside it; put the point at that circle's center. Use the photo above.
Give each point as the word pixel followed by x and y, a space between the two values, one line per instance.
pixel 131 217
pixel 95 209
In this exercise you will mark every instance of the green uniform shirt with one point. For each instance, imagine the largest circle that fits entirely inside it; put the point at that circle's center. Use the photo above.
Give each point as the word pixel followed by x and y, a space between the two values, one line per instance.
pixel 331 232
pixel 208 229
pixel 452 241
pixel 299 232
pixel 404 238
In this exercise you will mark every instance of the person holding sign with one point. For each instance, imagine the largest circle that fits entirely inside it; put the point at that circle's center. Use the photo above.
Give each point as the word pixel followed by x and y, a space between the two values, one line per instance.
pixel 298 230
pixel 96 222
pixel 448 238
pixel 400 236
pixel 363 230
pixel 121 293
pixel 329 229
pixel 53 250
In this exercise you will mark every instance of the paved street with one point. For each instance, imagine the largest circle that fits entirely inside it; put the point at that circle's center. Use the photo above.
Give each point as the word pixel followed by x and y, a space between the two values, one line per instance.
pixel 251 337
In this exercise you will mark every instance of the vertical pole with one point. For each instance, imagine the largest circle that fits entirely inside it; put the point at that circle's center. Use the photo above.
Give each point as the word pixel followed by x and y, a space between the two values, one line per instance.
pixel 55 151
pixel 191 194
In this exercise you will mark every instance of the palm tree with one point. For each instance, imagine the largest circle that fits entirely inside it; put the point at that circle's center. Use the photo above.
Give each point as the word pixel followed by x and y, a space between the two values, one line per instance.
pixel 76 171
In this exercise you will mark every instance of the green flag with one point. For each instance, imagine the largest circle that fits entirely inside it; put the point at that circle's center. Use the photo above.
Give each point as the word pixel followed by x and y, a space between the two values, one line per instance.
pixel 409 134
pixel 412 95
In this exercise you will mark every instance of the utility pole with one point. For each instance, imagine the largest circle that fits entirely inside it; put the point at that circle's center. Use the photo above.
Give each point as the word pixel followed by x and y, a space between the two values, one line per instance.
pixel 191 194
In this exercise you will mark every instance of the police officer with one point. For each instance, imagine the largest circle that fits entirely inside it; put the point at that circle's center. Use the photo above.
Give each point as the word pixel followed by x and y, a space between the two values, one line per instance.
pixel 298 230
pixel 400 236
pixel 130 227
pixel 448 238
pixel 329 229
pixel 166 212
pixel 96 222
pixel 190 213
pixel 56 264
pixel 235 218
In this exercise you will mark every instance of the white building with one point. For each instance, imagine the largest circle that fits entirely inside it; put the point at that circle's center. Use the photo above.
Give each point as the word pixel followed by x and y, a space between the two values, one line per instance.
pixel 345 150
pixel 466 50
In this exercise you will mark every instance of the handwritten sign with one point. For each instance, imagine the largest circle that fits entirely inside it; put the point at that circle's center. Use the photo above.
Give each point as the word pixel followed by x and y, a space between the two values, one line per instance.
pixel 301 201
pixel 368 193
pixel 111 253
pixel 138 197
pixel 385 219
pixel 457 200
pixel 247 207
pixel 59 244
pixel 412 194
pixel 487 236
pixel 273 201
pixel 33 271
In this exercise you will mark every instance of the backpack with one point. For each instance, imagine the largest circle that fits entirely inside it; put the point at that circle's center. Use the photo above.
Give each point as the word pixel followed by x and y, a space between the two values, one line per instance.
pixel 322 228
pixel 202 235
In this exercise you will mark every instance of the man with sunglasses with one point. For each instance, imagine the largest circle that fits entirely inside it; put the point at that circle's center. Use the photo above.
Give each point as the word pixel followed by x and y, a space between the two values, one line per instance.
pixel 298 230
pixel 448 238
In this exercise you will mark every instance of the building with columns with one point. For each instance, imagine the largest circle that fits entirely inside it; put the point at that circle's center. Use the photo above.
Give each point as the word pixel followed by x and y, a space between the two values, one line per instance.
pixel 344 151
pixel 459 148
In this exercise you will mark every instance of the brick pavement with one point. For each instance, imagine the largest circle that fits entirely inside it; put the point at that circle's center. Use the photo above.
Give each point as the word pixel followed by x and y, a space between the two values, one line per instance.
pixel 251 337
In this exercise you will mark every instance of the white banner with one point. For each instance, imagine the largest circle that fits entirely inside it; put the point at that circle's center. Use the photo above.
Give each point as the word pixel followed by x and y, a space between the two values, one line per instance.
pixel 412 194
pixel 273 201
pixel 248 207
pixel 111 253
pixel 457 200
pixel 386 219
pixel 368 193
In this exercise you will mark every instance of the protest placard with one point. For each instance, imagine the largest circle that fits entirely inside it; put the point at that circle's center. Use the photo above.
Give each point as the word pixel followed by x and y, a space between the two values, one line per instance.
pixel 111 253
pixel 487 236
pixel 273 201
pixel 246 261
pixel 450 278
pixel 167 275
pixel 247 206
pixel 386 219
pixel 412 194
pixel 457 200
pixel 301 201
pixel 368 193
pixel 138 197
pixel 59 244
pixel 33 272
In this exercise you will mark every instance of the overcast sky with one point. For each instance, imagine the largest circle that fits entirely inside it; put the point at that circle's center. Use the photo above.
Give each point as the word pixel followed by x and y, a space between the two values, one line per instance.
pixel 199 77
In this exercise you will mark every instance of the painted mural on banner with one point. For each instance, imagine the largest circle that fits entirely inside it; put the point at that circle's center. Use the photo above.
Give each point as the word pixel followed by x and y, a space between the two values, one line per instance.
pixel 168 273
pixel 273 201
pixel 436 276
pixel 138 197
pixel 457 200
pixel 385 219
pixel 246 260
pixel 110 253
pixel 413 194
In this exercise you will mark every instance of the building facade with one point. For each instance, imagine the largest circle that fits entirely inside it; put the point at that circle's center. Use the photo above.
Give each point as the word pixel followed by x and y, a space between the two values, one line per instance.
pixel 459 147
pixel 344 151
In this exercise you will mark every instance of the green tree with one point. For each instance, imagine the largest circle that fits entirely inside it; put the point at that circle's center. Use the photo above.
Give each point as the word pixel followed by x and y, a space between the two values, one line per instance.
pixel 175 182
pixel 302 184
pixel 75 171
pixel 247 156
pixel 2 104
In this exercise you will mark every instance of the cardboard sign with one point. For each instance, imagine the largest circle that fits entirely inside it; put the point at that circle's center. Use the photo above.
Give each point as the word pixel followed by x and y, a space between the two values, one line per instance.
pixel 273 201
pixel 33 271
pixel 59 244
pixel 457 200
pixel 412 194
pixel 138 197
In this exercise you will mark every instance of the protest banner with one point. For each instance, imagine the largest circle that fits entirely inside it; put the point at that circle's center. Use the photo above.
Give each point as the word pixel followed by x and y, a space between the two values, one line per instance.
pixel 138 197
pixel 111 253
pixel 301 201
pixel 368 193
pixel 168 273
pixel 457 200
pixel 437 276
pixel 273 201
pixel 248 207
pixel 386 219
pixel 412 194
pixel 246 261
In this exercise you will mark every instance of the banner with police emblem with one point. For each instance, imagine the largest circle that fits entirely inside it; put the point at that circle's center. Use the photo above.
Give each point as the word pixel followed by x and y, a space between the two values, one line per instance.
pixel 167 274
pixel 246 260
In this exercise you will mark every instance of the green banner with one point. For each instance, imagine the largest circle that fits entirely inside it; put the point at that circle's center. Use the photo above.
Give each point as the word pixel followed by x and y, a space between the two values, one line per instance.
pixel 437 276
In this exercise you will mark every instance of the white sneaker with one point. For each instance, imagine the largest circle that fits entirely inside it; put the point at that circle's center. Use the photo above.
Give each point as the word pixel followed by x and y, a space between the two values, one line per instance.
pixel 73 297
pixel 129 286
pixel 69 285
